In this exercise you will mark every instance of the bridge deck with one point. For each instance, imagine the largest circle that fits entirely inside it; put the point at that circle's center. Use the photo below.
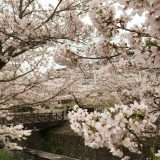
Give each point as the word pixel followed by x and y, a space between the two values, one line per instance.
pixel 35 120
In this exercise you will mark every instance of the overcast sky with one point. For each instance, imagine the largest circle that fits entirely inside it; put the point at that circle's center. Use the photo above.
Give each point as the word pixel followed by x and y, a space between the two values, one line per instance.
pixel 46 2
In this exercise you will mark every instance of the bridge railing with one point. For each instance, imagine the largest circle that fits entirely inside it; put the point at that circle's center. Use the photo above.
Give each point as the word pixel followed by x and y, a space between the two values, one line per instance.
pixel 32 118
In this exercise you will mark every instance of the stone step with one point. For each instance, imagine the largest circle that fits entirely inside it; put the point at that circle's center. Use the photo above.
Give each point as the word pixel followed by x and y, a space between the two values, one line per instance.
pixel 47 155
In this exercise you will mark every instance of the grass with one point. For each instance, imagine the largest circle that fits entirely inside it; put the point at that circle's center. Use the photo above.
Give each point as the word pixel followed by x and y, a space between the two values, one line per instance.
pixel 5 154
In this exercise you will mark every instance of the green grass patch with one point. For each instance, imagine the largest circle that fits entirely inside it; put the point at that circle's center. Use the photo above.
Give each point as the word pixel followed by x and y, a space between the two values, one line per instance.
pixel 71 104
pixel 5 154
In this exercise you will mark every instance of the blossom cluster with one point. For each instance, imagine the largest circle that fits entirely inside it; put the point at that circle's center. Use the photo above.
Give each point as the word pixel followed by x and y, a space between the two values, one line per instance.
pixel 117 126
pixel 65 56
pixel 112 20
pixel 10 133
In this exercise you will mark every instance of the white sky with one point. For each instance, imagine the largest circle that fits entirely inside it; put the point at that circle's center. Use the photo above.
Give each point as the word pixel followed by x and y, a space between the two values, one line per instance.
pixel 46 2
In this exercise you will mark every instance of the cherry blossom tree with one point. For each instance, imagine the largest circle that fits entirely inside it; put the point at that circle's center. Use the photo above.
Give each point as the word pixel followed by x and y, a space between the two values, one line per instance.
pixel 35 35
pixel 131 76
pixel 29 32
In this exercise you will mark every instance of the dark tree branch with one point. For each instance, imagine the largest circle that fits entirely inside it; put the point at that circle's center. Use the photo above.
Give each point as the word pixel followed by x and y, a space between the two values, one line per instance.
pixel 22 12
pixel 137 138
pixel 51 16
pixel 105 57
pixel 20 9
pixel 14 78
pixel 134 31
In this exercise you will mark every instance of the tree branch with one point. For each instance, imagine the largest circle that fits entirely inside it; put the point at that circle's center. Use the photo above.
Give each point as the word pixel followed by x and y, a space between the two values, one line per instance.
pixel 51 16
pixel 12 79
pixel 20 9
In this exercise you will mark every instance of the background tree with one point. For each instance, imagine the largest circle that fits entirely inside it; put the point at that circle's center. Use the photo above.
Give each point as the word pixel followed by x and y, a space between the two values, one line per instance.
pixel 28 34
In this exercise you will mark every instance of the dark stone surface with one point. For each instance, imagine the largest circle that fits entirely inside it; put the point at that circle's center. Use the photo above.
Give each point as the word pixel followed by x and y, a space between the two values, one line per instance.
pixel 22 155
pixel 71 146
